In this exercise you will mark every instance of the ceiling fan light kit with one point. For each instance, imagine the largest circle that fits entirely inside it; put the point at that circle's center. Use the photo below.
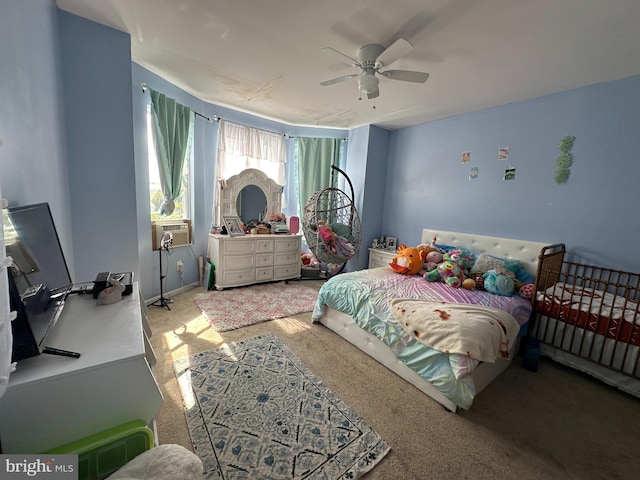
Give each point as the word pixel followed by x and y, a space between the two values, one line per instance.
pixel 371 58
pixel 368 82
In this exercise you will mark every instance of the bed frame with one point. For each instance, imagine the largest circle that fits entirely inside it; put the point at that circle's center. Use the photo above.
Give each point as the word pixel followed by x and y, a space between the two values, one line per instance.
pixel 527 252
pixel 590 340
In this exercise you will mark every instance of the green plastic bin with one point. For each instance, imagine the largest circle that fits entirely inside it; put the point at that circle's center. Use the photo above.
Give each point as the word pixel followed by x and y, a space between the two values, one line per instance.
pixel 102 454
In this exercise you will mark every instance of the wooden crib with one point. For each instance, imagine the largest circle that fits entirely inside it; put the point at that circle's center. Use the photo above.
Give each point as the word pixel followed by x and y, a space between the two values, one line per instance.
pixel 588 317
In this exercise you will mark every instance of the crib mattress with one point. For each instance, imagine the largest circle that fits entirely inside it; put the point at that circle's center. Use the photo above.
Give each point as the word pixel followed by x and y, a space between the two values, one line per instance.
pixel 592 310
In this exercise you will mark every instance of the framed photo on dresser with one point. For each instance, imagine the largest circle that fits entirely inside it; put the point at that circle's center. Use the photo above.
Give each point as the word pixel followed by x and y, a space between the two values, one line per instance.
pixel 392 243
pixel 234 225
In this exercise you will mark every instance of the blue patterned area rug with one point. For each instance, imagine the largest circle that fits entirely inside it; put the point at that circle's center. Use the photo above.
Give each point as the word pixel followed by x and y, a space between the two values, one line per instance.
pixel 254 410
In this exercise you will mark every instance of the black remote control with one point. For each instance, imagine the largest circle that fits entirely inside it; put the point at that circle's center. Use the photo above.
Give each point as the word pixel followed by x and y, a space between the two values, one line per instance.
pixel 63 353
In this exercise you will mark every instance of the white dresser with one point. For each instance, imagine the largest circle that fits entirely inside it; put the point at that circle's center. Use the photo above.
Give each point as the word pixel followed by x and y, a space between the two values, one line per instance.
pixel 249 259
pixel 53 400
pixel 379 257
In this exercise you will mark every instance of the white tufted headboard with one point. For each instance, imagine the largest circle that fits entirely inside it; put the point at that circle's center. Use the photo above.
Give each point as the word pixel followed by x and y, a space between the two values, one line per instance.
pixel 522 250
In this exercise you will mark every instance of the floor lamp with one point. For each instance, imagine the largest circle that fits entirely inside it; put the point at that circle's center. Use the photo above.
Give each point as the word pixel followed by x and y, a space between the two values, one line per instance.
pixel 165 242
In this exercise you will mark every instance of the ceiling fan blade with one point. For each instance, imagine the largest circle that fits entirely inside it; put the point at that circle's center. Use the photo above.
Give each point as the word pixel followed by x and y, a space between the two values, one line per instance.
pixel 340 57
pixel 338 80
pixel 406 75
pixel 373 94
pixel 393 52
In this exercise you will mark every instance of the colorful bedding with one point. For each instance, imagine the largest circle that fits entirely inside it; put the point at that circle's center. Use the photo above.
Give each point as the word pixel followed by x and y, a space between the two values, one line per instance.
pixel 364 295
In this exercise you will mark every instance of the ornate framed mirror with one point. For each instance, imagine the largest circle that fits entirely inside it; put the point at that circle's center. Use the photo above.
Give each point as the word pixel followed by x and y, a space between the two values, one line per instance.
pixel 250 195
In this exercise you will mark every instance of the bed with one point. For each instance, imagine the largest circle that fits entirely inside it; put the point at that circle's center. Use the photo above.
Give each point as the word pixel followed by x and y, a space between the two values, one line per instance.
pixel 358 306
pixel 588 317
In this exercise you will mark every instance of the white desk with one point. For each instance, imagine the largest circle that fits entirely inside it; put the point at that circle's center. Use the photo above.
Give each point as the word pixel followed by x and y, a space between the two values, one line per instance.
pixel 53 400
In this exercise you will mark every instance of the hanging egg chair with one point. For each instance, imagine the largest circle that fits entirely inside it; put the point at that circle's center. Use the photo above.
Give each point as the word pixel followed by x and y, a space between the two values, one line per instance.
pixel 331 224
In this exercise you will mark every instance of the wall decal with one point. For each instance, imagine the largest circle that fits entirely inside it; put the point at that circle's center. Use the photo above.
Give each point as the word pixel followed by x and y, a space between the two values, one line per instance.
pixel 474 173
pixel 564 160
pixel 503 153
pixel 510 173
pixel 465 157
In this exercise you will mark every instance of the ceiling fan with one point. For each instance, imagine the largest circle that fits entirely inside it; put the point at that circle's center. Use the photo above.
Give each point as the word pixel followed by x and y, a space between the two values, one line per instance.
pixel 371 59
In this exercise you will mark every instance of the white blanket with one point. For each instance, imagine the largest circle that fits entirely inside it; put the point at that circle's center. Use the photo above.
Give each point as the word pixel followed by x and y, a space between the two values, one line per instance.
pixel 482 333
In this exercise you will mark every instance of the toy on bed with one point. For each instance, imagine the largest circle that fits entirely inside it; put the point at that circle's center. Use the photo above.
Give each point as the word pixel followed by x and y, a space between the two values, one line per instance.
pixel 452 270
pixel 499 281
pixel 433 256
pixel 408 261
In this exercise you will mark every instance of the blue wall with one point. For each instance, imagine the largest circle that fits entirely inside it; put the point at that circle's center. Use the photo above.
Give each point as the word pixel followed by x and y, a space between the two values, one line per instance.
pixel 595 213
pixel 96 65
pixel 33 156
pixel 73 133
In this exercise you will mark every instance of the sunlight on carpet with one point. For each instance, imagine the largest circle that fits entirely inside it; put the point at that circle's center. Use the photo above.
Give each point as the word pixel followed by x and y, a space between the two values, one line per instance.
pixel 254 410
pixel 243 306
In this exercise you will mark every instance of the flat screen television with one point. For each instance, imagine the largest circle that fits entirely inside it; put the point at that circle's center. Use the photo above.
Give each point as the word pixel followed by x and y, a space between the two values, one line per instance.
pixel 31 239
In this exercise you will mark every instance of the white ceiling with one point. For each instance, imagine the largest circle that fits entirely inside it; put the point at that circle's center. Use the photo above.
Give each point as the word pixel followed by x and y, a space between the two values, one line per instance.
pixel 264 56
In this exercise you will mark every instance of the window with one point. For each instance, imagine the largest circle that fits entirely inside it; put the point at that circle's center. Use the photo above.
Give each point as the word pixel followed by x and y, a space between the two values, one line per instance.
pixel 182 210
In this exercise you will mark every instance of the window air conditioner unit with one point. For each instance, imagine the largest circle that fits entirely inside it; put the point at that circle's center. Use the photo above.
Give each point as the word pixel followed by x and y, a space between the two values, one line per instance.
pixel 180 230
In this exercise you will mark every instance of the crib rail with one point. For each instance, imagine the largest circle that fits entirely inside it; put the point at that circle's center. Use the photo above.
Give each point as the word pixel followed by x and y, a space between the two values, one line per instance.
pixel 588 311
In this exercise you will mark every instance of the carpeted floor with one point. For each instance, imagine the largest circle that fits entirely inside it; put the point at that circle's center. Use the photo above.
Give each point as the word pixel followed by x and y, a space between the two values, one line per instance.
pixel 553 424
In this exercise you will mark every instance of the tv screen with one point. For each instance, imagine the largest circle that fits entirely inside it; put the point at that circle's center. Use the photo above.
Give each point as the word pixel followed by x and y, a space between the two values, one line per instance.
pixel 32 241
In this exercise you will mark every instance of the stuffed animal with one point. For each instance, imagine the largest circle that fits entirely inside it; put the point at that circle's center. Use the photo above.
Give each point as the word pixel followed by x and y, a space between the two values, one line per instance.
pixel 433 256
pixel 432 260
pixel 408 261
pixel 469 284
pixel 333 243
pixel 499 281
pixel 452 270
pixel 527 290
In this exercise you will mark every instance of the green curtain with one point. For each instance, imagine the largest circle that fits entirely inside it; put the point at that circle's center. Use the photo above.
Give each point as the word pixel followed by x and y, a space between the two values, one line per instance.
pixel 173 127
pixel 315 157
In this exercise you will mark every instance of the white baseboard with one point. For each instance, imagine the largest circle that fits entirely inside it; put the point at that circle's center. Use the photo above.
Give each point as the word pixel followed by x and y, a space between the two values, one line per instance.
pixel 173 293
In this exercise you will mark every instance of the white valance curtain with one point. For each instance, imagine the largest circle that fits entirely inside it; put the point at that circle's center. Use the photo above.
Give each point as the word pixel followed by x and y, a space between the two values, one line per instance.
pixel 241 147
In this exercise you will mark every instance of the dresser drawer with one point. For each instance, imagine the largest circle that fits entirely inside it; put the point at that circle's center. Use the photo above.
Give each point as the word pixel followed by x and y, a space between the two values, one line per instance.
pixel 238 247
pixel 286 271
pixel 287 245
pixel 286 258
pixel 265 245
pixel 238 262
pixel 238 277
pixel 380 258
pixel 264 273
pixel 264 259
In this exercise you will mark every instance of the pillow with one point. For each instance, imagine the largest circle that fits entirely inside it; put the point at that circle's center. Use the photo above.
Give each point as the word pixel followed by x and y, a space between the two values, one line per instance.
pixel 486 262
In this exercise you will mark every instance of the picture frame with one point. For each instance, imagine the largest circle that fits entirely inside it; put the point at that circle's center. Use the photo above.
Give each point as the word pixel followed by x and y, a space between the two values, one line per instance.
pixel 233 225
pixel 392 243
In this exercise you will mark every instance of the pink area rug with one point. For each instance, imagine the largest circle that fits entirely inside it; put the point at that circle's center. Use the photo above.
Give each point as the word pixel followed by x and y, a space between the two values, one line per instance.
pixel 240 307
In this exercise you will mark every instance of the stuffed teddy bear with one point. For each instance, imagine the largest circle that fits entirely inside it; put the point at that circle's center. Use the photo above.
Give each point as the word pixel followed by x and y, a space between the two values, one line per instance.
pixel 499 281
pixel 408 261
pixel 452 270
